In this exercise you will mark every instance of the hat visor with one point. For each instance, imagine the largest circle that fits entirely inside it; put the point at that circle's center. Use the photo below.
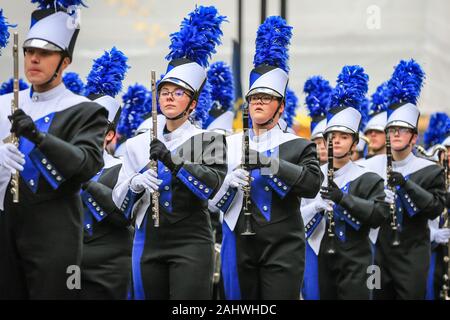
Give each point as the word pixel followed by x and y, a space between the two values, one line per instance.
pixel 177 82
pixel 374 128
pixel 264 90
pixel 41 44
pixel 340 129
pixel 403 124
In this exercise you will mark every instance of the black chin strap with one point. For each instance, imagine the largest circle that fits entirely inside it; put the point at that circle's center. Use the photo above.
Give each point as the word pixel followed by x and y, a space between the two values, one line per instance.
pixel 273 117
pixel 183 113
pixel 55 74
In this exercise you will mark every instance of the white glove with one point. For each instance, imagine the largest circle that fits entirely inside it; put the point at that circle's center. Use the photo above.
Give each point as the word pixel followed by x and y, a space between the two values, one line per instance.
pixel 389 196
pixel 321 204
pixel 147 180
pixel 441 235
pixel 238 178
pixel 11 158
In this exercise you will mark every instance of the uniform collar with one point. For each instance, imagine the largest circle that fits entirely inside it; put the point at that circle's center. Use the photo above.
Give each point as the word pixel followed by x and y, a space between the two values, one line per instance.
pixel 344 170
pixel 179 132
pixel 47 95
pixel 404 162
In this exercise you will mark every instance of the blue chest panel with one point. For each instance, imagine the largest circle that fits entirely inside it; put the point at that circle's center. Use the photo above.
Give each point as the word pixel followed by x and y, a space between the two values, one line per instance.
pixel 30 173
pixel 343 218
pixel 261 193
pixel 165 188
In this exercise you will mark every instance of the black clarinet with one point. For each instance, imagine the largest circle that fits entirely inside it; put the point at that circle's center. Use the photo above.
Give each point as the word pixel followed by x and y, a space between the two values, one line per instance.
pixel 392 209
pixel 331 250
pixel 247 205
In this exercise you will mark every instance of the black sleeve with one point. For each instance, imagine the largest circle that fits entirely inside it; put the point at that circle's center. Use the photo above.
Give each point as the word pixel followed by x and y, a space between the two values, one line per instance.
pixel 304 177
pixel 81 157
pixel 429 196
pixel 203 173
pixel 365 200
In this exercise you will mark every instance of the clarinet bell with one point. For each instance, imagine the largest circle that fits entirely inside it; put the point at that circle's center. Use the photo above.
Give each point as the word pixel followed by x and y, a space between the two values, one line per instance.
pixel 396 238
pixel 331 249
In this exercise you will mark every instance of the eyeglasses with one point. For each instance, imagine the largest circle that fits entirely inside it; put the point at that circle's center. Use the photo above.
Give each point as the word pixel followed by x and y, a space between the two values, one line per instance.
pixel 175 94
pixel 264 98
pixel 399 130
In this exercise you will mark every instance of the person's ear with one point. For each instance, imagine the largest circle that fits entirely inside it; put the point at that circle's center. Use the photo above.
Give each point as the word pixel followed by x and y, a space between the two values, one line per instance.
pixel 193 105
pixel 110 136
pixel 414 138
pixel 65 63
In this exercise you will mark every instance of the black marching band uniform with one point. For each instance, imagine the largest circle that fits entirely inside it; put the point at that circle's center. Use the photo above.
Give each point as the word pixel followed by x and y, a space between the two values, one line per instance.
pixel 269 264
pixel 108 235
pixel 79 206
pixel 61 137
pixel 356 198
pixel 175 260
pixel 420 193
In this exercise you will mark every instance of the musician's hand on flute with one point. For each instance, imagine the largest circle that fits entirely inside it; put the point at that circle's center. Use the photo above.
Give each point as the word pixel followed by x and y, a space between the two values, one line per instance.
pixel 11 158
pixel 147 180
pixel 332 192
pixel 159 151
pixel 24 126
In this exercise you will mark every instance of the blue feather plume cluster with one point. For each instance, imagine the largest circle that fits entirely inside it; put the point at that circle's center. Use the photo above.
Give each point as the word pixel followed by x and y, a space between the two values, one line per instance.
pixel 73 82
pixel 437 129
pixel 198 36
pixel 351 88
pixel 107 74
pixel 291 103
pixel 380 99
pixel 365 111
pixel 318 96
pixel 8 86
pixel 46 4
pixel 201 111
pixel 406 82
pixel 222 85
pixel 272 42
pixel 136 104
pixel 4 33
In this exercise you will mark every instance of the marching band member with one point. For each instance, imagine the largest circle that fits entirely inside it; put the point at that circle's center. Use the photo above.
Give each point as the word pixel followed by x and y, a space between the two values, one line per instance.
pixel 318 96
pixel 175 259
pixel 349 204
pixel 60 148
pixel 283 169
pixel 403 244
pixel 106 263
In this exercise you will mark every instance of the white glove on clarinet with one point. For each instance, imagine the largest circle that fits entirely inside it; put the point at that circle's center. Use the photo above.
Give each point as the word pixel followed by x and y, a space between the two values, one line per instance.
pixel 238 178
pixel 440 235
pixel 11 158
pixel 147 180
pixel 389 196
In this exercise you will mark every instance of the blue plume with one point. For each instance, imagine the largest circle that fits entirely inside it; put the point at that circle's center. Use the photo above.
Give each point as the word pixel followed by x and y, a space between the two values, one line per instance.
pixel 8 86
pixel 437 129
pixel 73 82
pixel 364 109
pixel 4 33
pixel 380 99
pixel 222 85
pixel 137 102
pixel 272 43
pixel 46 4
pixel 107 73
pixel 204 104
pixel 318 96
pixel 406 82
pixel 351 88
pixel 198 36
pixel 290 107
